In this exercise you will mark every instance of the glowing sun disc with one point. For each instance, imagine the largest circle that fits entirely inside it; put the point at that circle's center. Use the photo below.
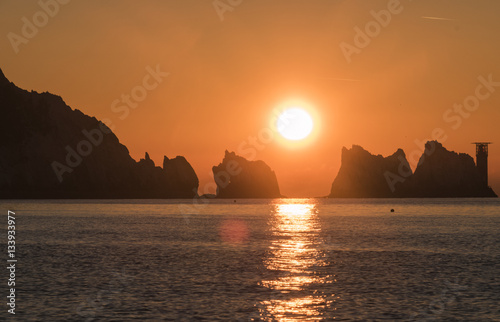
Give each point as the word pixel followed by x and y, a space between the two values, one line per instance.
pixel 295 124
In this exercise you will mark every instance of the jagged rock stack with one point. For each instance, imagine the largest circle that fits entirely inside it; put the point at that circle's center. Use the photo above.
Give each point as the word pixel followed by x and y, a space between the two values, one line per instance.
pixel 440 173
pixel 236 177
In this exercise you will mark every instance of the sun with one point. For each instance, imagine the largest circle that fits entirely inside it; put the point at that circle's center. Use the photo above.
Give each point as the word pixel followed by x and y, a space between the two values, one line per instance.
pixel 294 124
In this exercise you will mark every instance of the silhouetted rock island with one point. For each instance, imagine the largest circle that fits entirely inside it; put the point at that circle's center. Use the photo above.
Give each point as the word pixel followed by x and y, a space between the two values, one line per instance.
pixel 361 174
pixel 443 173
pixel 439 173
pixel 48 150
pixel 236 177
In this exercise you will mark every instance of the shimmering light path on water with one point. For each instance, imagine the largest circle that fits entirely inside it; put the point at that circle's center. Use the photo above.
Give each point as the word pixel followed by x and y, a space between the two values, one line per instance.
pixel 250 260
pixel 295 255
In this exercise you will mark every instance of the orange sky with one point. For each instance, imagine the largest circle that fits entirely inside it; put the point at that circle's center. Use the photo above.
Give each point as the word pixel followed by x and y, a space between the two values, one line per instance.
pixel 226 76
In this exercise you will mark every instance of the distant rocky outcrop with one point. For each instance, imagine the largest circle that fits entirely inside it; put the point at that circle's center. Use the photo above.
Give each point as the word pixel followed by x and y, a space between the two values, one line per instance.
pixel 179 170
pixel 443 173
pixel 362 175
pixel 440 173
pixel 48 150
pixel 236 177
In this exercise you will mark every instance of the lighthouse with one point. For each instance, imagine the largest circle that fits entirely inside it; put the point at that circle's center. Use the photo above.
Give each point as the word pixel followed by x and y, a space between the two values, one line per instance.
pixel 482 160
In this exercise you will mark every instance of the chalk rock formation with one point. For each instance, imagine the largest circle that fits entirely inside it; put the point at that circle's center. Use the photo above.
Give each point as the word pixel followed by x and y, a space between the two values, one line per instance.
pixel 236 177
pixel 443 173
pixel 439 173
pixel 363 175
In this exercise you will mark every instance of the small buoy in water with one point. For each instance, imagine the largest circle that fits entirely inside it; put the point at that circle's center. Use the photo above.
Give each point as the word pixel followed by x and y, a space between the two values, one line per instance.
pixel 392 210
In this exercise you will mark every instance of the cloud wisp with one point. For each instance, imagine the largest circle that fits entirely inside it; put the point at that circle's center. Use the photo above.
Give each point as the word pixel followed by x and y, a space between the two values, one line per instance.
pixel 437 18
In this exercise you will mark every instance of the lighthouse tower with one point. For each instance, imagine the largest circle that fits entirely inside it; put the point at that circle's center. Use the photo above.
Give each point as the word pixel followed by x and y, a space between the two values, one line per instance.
pixel 482 160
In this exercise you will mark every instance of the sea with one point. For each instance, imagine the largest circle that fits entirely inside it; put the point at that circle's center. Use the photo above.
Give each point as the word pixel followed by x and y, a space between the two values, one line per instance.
pixel 252 260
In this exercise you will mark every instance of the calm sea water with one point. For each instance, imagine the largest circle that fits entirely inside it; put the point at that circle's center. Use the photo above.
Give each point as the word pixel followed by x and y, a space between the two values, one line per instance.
pixel 256 260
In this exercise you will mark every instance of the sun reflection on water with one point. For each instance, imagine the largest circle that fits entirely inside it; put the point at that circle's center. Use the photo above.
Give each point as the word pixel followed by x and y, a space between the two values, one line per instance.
pixel 295 261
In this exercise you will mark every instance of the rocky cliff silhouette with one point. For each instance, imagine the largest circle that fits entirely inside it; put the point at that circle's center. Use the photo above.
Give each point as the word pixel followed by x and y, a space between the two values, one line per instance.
pixel 439 173
pixel 443 173
pixel 361 174
pixel 48 150
pixel 236 177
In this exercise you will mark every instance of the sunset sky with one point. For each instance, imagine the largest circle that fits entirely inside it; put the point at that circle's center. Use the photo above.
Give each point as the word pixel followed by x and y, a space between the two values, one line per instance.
pixel 231 64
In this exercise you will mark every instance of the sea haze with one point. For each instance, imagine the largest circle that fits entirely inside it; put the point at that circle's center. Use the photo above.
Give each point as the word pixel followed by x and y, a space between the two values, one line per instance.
pixel 293 259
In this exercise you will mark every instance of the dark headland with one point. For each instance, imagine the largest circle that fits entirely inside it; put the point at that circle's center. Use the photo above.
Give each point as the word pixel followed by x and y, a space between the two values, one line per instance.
pixel 48 150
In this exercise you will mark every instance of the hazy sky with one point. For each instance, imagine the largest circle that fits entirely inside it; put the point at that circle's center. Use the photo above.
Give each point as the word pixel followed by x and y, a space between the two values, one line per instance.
pixel 380 74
